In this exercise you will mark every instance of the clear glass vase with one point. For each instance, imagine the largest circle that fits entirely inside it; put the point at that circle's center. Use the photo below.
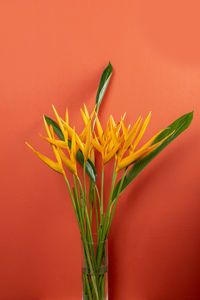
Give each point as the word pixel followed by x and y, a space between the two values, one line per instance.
pixel 94 269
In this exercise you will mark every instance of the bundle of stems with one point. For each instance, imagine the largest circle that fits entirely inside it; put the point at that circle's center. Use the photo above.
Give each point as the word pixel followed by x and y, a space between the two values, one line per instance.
pixel 95 260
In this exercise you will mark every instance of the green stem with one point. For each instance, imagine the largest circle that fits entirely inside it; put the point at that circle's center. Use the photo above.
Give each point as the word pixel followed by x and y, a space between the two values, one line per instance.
pixel 84 185
pixel 85 243
pixel 81 217
pixel 109 202
pixel 97 215
pixel 91 199
pixel 81 227
pixel 89 230
pixel 84 193
pixel 97 191
pixel 93 277
pixel 88 224
pixel 88 288
pixel 102 286
pixel 101 203
pixel 73 201
pixel 96 109
pixel 115 202
pixel 100 249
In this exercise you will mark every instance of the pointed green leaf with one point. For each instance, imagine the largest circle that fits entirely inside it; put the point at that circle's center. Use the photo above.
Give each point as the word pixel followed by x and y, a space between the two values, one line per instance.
pixel 105 78
pixel 178 127
pixel 56 128
pixel 90 168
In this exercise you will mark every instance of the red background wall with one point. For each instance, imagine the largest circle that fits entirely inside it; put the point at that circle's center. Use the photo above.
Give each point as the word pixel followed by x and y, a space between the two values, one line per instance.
pixel 55 52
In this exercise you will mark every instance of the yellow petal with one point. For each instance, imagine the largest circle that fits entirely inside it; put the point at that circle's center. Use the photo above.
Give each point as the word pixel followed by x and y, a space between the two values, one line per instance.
pixel 88 141
pixel 83 134
pixel 150 149
pixel 107 131
pixel 114 138
pixel 129 138
pixel 118 127
pixel 140 153
pixel 110 155
pixel 97 145
pixel 52 164
pixel 79 142
pixel 68 163
pixel 66 116
pixel 85 120
pixel 112 121
pixel 145 146
pixel 86 112
pixel 46 126
pixel 92 155
pixel 58 118
pixel 99 128
pixel 73 147
pixel 92 114
pixel 54 147
pixel 123 117
pixel 111 145
pixel 129 159
pixel 55 150
pixel 64 132
pixel 132 133
pixel 67 128
pixel 57 143
pixel 52 132
pixel 124 129
pixel 142 130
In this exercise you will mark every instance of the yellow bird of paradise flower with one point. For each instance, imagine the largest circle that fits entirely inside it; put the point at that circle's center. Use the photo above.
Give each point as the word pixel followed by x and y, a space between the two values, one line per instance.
pixel 131 140
pixel 56 166
pixel 109 141
pixel 116 141
pixel 83 141
pixel 56 145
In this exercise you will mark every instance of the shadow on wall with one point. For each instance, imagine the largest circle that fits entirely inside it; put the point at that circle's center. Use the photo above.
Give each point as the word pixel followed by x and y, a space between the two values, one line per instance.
pixel 158 239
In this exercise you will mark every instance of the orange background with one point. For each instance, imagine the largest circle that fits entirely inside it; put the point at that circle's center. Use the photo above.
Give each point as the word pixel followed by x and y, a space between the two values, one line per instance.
pixel 55 52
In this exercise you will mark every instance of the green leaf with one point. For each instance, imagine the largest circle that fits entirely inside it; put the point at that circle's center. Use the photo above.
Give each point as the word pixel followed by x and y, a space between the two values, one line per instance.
pixel 105 78
pixel 90 168
pixel 56 128
pixel 178 127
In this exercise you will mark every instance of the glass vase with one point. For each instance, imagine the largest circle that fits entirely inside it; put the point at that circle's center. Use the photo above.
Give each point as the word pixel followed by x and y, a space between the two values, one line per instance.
pixel 94 269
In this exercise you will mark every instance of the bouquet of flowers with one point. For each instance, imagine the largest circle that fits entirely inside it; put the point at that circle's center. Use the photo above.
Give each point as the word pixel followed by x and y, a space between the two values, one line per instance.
pixel 117 145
